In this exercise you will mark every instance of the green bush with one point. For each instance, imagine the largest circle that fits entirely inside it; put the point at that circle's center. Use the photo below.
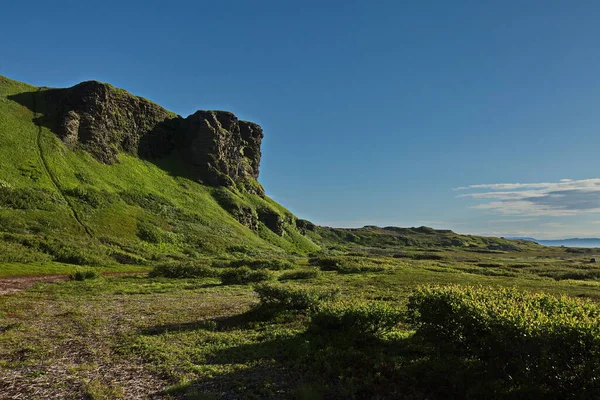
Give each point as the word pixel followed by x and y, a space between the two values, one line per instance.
pixel 16 252
pixel 149 233
pixel 90 196
pixel 287 298
pixel 243 275
pixel 183 270
pixel 357 318
pixel 83 275
pixel 79 253
pixel 299 274
pixel 256 264
pixel 528 340
pixel 426 256
pixel 346 265
pixel 29 199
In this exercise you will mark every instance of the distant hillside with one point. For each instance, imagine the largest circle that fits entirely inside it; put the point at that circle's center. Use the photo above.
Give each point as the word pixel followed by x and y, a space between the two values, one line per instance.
pixel 573 242
pixel 423 238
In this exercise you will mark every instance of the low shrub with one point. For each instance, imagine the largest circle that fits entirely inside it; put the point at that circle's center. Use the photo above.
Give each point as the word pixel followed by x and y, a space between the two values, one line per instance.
pixel 243 275
pixel 256 264
pixel 534 341
pixel 149 233
pixel 287 298
pixel 183 270
pixel 357 318
pixel 346 265
pixel 29 199
pixel 90 196
pixel 299 274
pixel 489 265
pixel 16 252
pixel 426 256
pixel 83 275
pixel 79 253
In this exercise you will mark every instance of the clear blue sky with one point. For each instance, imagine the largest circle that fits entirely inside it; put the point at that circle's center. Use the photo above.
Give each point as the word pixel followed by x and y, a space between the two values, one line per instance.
pixel 373 111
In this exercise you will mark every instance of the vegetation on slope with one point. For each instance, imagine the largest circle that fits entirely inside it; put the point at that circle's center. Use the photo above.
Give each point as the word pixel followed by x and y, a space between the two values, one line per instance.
pixel 65 206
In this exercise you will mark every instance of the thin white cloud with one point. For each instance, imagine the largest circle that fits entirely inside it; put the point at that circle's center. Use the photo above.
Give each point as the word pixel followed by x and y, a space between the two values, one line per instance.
pixel 564 198
pixel 508 221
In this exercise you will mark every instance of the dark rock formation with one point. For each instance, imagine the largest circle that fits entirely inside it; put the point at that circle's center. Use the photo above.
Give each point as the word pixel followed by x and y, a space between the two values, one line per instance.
pixel 304 225
pixel 221 148
pixel 104 121
pixel 272 220
pixel 217 148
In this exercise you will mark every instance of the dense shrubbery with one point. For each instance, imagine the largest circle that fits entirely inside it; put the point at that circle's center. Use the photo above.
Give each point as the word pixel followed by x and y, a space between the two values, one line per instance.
pixel 287 298
pixel 70 253
pixel 148 232
pixel 346 265
pixel 426 256
pixel 256 264
pixel 16 252
pixel 183 270
pixel 90 196
pixel 531 341
pixel 242 275
pixel 83 275
pixel 299 274
pixel 357 318
pixel 29 199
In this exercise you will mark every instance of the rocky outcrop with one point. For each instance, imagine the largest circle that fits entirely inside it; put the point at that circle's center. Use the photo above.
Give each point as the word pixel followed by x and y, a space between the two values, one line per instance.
pixel 105 121
pixel 218 149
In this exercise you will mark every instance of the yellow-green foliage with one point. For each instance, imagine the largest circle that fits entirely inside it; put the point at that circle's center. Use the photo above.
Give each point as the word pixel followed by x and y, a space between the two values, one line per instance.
pixel 533 339
pixel 357 319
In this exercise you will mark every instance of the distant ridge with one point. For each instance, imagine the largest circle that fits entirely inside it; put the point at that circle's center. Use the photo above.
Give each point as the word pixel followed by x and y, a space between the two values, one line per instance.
pixel 571 242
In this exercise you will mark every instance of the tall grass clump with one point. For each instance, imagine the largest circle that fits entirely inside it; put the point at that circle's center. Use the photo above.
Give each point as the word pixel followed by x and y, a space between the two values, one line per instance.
pixel 357 319
pixel 84 275
pixel 530 341
pixel 284 297
pixel 346 265
pixel 243 275
pixel 256 264
pixel 299 274
pixel 183 270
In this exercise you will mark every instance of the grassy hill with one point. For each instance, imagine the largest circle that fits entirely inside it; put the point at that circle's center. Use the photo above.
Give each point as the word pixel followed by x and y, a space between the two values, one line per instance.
pixel 61 205
pixel 98 202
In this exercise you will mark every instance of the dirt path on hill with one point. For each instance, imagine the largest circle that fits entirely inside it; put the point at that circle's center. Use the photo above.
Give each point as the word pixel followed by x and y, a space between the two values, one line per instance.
pixel 20 283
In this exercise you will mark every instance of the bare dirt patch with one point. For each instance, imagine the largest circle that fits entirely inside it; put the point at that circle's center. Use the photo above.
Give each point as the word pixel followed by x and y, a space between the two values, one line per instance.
pixel 17 284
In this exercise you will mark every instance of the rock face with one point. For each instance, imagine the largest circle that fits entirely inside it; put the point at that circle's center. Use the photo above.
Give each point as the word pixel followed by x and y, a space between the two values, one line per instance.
pixel 218 149
pixel 221 148
pixel 104 121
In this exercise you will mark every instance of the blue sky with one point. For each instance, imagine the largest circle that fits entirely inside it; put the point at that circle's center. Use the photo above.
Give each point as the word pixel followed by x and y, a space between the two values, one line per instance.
pixel 374 112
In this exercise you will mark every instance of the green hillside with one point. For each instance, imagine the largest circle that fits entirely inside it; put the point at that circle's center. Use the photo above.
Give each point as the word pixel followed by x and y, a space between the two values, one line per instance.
pixel 92 175
pixel 61 205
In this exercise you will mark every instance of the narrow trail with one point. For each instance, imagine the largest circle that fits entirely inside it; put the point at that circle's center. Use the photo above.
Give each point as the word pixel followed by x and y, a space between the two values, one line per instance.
pixel 53 179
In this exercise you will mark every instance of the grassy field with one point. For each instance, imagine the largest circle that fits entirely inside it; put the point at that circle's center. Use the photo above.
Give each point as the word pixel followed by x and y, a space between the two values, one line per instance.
pixel 196 338
pixel 234 297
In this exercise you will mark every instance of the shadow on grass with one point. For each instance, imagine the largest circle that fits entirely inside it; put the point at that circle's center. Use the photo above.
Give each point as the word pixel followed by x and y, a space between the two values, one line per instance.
pixel 322 365
pixel 220 324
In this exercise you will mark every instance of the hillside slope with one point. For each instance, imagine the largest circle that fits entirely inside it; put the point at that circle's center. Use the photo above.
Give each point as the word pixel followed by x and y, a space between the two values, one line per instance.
pixel 94 175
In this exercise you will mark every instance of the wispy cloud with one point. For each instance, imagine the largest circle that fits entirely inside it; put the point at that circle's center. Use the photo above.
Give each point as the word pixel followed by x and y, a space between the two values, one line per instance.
pixel 508 221
pixel 564 198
